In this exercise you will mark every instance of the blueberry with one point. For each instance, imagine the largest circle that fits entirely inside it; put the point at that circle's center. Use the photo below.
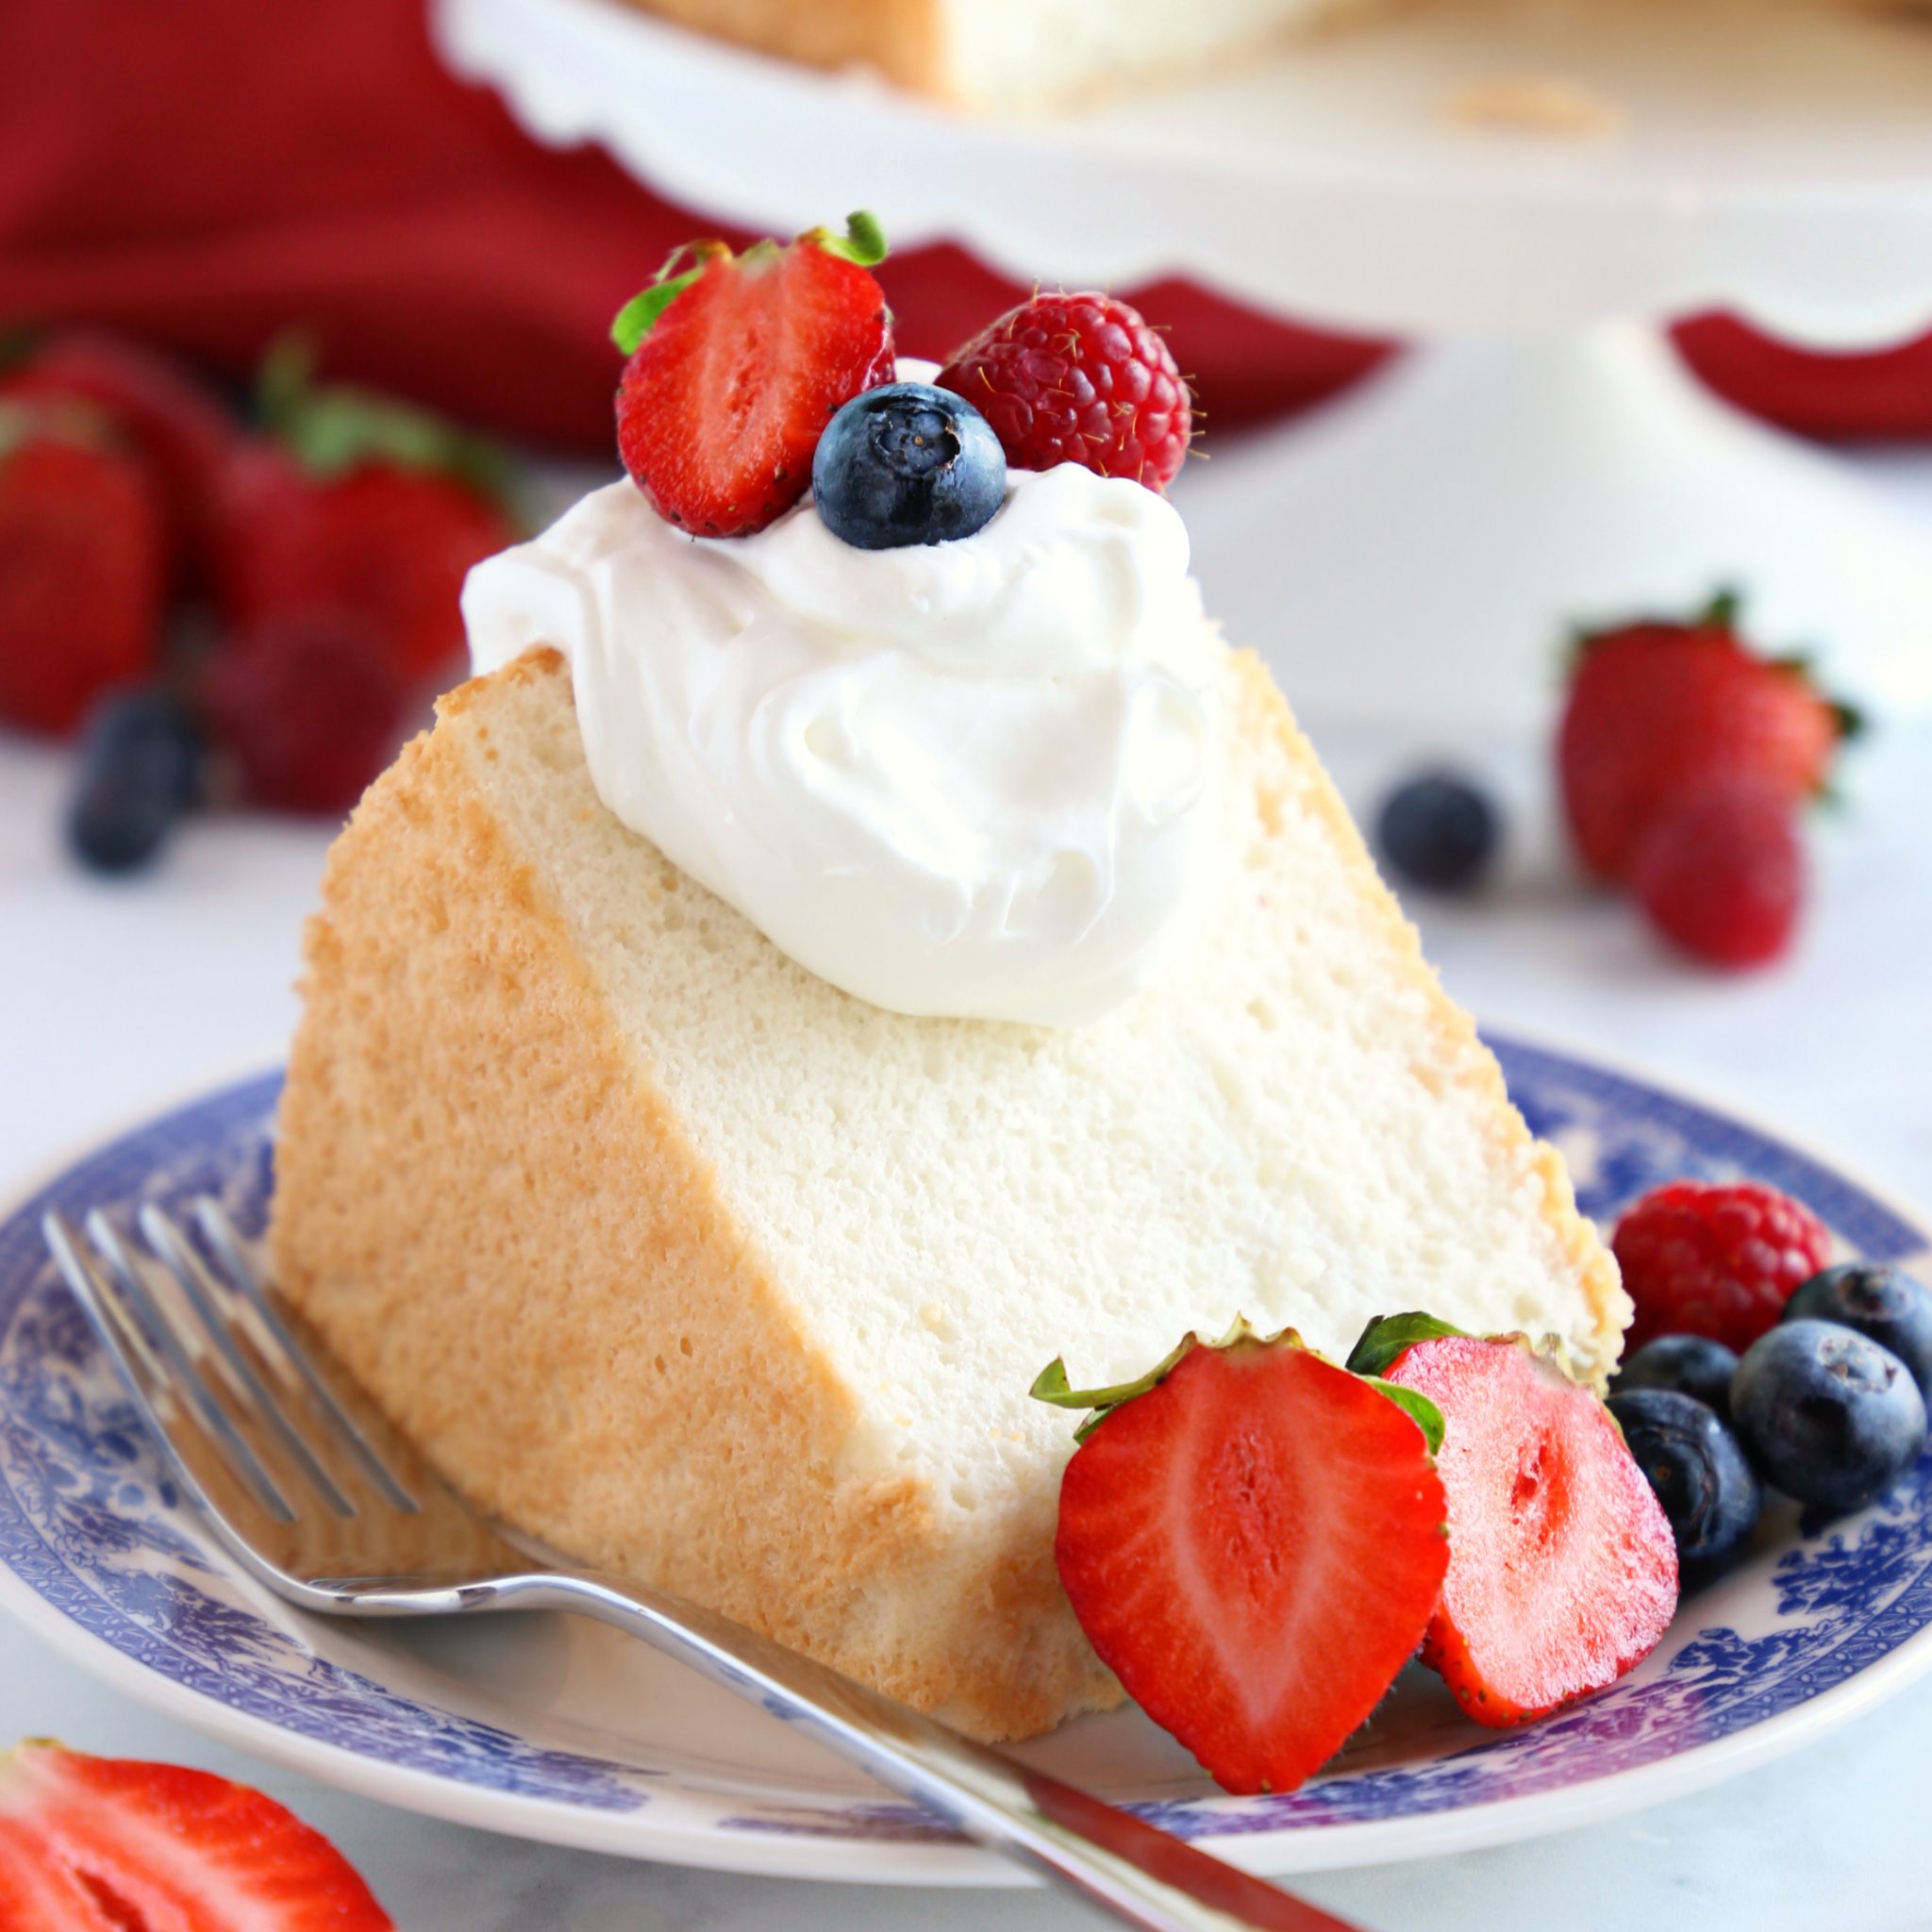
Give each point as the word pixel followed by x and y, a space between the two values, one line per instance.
pixel 139 769
pixel 1706 1484
pixel 1692 1364
pixel 1827 1414
pixel 1881 1302
pixel 907 464
pixel 1439 830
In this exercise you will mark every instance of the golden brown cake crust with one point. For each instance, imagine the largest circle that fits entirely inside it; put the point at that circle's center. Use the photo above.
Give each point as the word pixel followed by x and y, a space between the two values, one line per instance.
pixel 671 1422
pixel 902 40
pixel 476 1176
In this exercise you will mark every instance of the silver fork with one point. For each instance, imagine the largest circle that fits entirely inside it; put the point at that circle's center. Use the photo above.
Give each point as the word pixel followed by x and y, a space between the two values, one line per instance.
pixel 307 1487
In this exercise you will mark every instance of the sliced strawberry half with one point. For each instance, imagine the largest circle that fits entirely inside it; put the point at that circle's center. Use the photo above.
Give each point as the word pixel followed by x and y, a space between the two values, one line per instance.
pixel 737 364
pixel 106 1844
pixel 1252 1539
pixel 1562 1569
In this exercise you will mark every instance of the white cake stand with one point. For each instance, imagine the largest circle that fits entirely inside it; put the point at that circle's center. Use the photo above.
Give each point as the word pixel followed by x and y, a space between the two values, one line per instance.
pixel 1412 553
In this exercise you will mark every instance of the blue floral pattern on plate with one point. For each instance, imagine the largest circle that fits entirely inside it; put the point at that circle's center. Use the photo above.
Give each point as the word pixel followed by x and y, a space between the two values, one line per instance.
pixel 92 1528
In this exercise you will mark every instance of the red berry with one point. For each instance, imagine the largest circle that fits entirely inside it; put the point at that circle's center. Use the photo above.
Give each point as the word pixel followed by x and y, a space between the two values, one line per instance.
pixel 1715 1261
pixel 1658 708
pixel 1254 1546
pixel 1721 872
pixel 308 703
pixel 1562 1566
pixel 1078 379
pixel 387 542
pixel 105 1844
pixel 82 560
pixel 176 424
pixel 725 397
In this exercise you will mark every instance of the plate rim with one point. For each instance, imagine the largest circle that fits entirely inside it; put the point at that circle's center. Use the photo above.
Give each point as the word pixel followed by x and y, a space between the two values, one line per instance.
pixel 639 1834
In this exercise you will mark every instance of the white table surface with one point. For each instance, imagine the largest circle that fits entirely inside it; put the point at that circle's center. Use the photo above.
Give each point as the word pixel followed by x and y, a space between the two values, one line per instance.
pixel 114 998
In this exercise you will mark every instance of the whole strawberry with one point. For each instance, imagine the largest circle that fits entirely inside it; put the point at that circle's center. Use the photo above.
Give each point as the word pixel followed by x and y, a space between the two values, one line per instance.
pixel 306 704
pixel 359 505
pixel 1721 872
pixel 737 365
pixel 159 411
pixel 82 563
pixel 1656 709
pixel 1714 1261
pixel 1078 379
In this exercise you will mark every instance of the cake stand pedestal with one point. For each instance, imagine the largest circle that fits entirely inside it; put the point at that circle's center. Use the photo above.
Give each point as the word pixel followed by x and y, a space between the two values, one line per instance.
pixel 1412 553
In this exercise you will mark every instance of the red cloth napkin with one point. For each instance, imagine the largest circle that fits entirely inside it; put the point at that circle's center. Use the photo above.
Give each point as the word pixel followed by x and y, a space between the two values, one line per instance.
pixel 209 171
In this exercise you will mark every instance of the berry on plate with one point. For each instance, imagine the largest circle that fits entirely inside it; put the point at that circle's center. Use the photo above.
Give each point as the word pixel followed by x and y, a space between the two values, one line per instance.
pixel 1704 1482
pixel 307 705
pixel 140 767
pixel 1439 830
pixel 359 505
pixel 82 563
pixel 178 426
pixel 107 1844
pixel 1252 1539
pixel 907 464
pixel 1078 379
pixel 1721 874
pixel 1827 1414
pixel 1882 1302
pixel 1656 709
pixel 1693 1365
pixel 738 363
pixel 1720 1260
pixel 1562 1567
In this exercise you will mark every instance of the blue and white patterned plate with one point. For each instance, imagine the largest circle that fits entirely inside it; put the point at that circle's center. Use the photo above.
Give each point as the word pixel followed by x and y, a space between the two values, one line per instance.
pixel 556 1729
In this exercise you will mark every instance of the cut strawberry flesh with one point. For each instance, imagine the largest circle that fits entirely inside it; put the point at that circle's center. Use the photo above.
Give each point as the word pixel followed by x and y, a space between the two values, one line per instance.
pixel 723 403
pixel 1562 1569
pixel 91 1845
pixel 1254 1547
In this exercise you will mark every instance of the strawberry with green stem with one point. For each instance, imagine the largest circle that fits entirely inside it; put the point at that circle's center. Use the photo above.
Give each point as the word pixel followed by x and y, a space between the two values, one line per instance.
pixel 1660 709
pixel 737 364
pixel 1251 1539
pixel 1562 1566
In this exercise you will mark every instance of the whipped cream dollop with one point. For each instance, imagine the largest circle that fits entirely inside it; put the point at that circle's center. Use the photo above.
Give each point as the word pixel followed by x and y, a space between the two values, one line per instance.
pixel 969 778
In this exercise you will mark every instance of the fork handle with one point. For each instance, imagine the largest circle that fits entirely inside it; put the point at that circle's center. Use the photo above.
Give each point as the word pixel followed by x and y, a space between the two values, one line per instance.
pixel 1144 1876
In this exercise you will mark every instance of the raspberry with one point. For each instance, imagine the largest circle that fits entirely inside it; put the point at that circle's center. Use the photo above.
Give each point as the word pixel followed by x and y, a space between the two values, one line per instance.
pixel 1721 872
pixel 1077 379
pixel 308 705
pixel 1720 1261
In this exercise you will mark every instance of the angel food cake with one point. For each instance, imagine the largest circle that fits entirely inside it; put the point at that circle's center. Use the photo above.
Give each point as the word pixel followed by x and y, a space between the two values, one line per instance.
pixel 817 973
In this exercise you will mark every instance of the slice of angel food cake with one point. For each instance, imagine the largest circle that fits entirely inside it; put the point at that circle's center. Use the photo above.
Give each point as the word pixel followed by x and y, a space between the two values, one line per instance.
pixel 859 936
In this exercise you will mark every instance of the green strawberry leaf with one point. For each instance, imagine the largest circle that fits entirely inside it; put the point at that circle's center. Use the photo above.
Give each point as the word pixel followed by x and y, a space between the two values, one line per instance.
pixel 1423 1413
pixel 17 342
pixel 1722 611
pixel 1051 1386
pixel 1386 1336
pixel 333 429
pixel 863 241
pixel 638 316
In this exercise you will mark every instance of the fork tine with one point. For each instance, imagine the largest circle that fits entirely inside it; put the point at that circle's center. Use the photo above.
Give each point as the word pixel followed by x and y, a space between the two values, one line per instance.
pixel 284 1353
pixel 147 1379
pixel 179 1374
pixel 186 1266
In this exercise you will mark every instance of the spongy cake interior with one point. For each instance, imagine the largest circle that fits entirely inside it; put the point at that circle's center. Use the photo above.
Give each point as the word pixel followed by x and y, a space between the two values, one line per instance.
pixel 1293 1126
